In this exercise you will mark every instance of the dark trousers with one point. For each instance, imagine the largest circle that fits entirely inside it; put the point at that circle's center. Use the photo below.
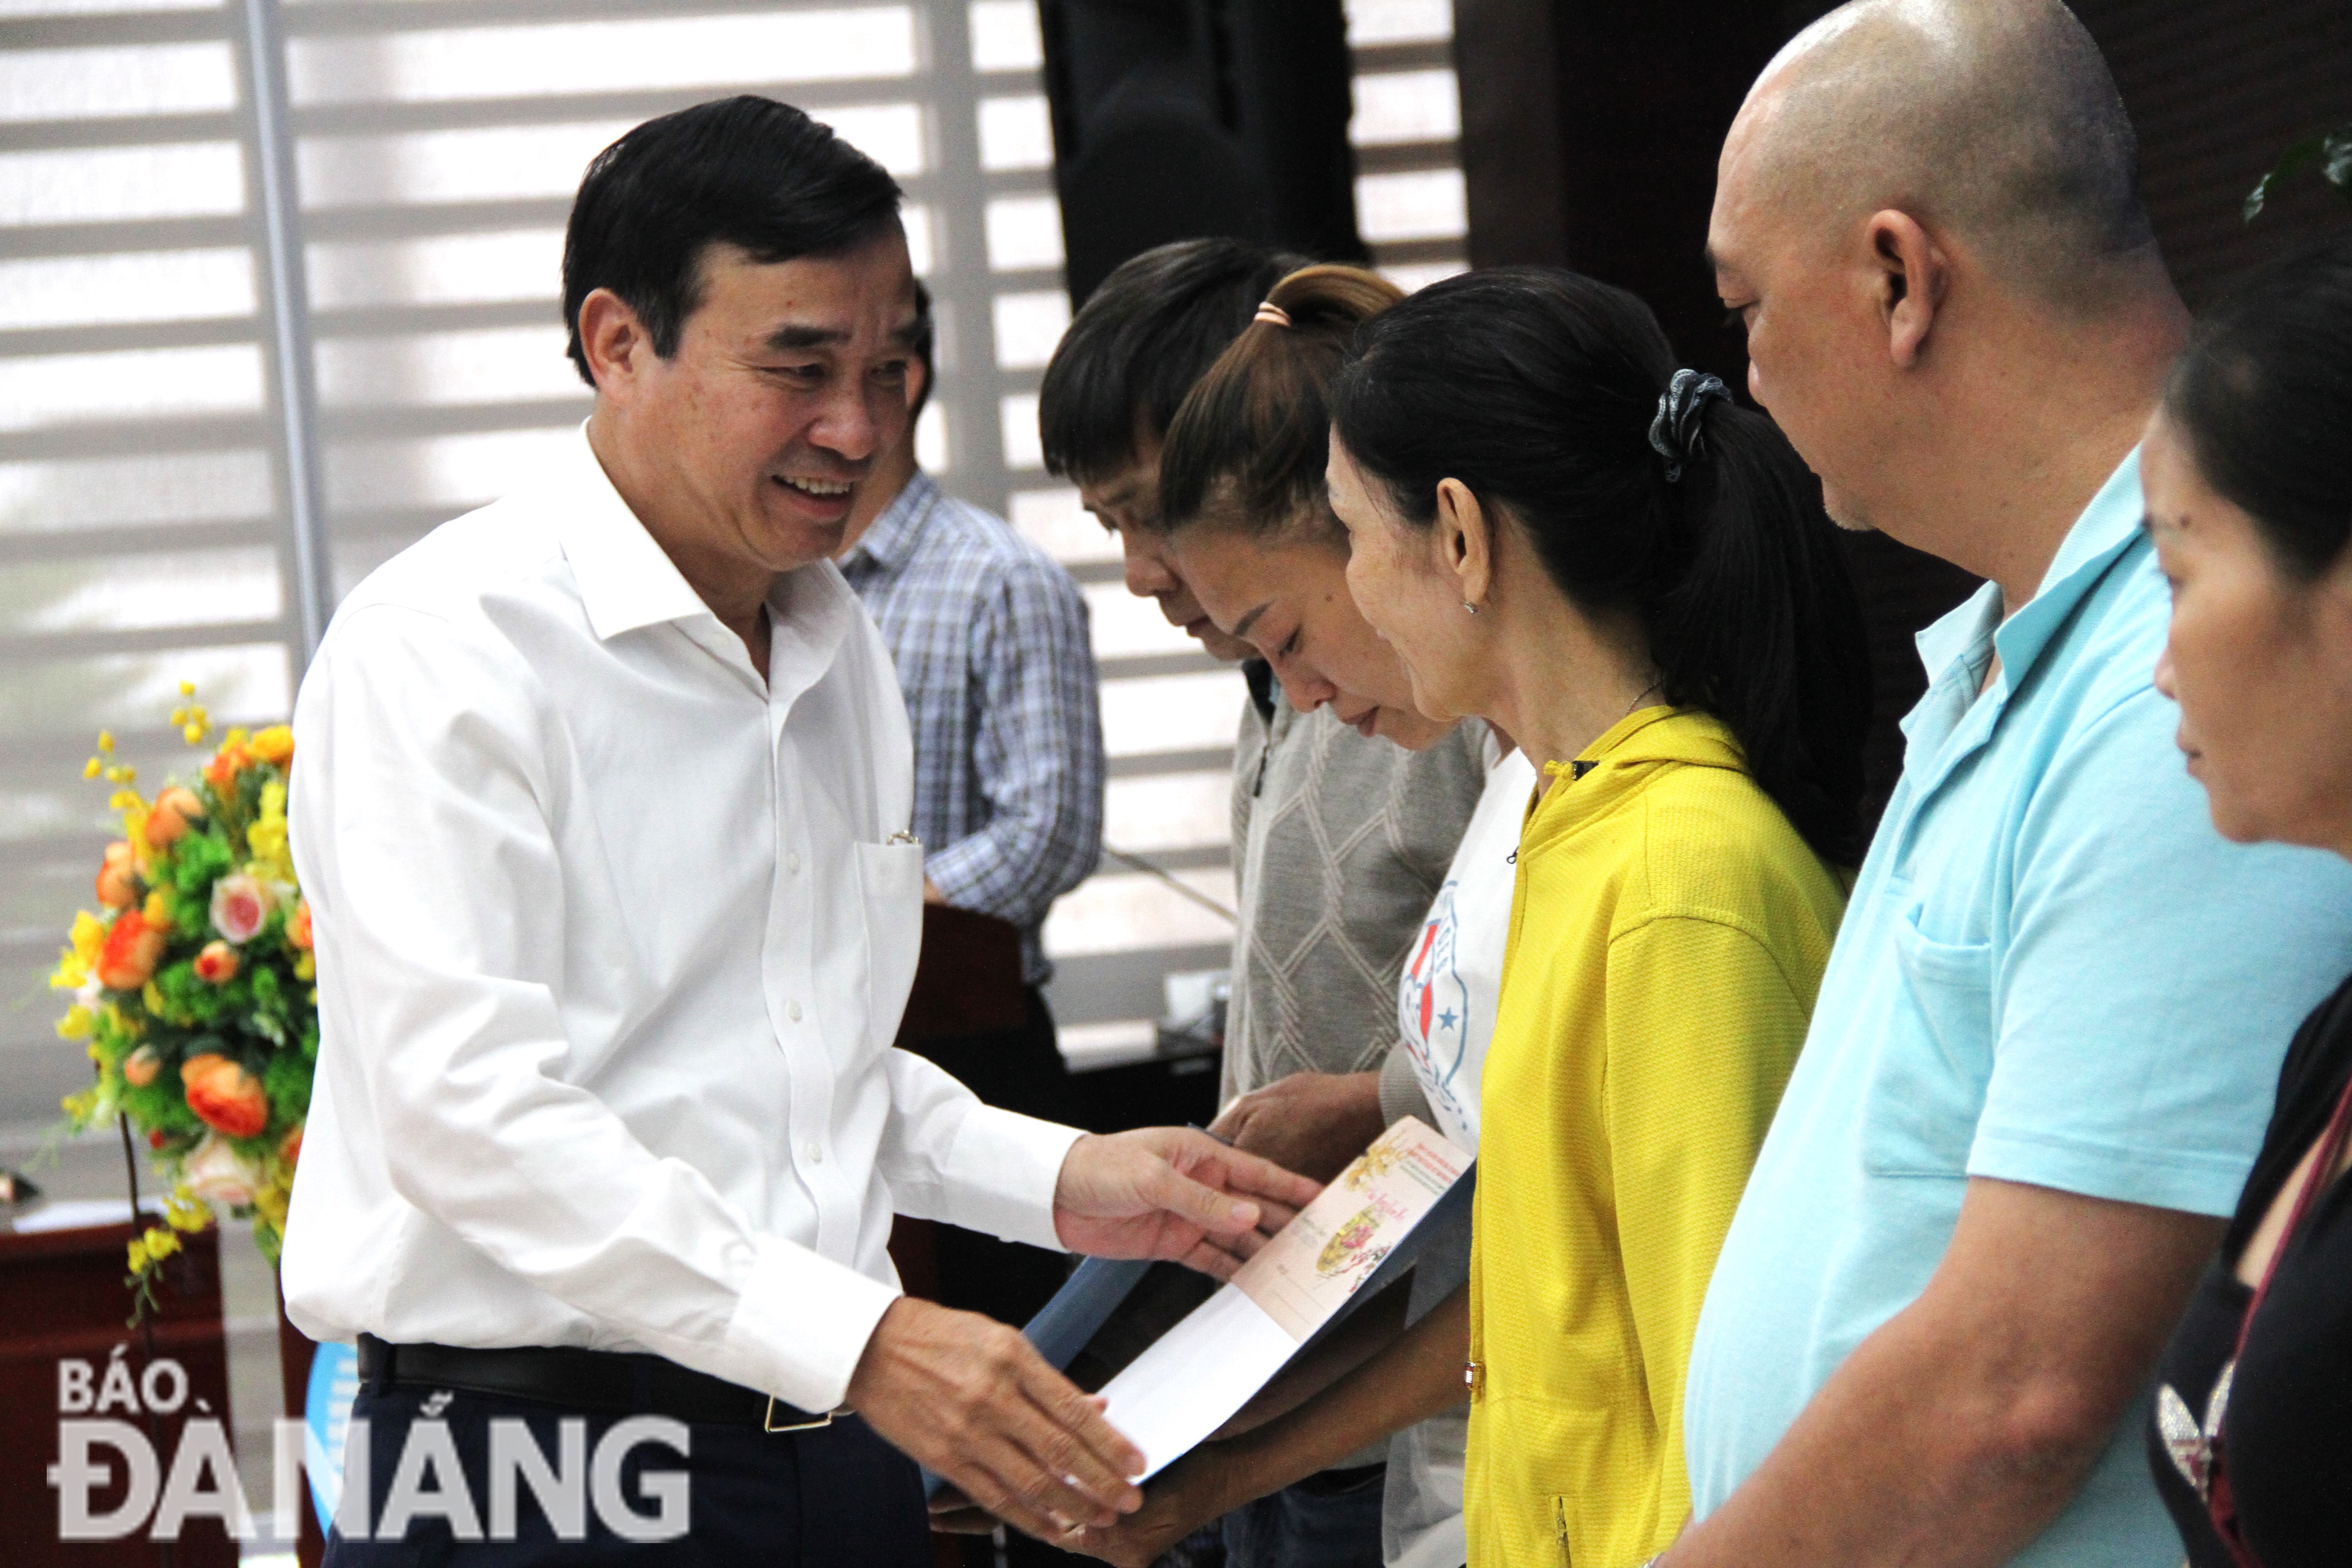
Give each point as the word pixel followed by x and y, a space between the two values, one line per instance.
pixel 835 1497
pixel 1330 1521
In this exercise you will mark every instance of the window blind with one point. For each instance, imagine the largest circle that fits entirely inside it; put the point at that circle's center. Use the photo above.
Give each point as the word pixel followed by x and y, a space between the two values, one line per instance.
pixel 144 512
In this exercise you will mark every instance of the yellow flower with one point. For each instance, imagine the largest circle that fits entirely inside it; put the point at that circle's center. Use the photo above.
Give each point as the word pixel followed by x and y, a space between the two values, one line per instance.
pixel 179 715
pixel 270 1203
pixel 187 689
pixel 192 734
pixel 273 746
pixel 159 908
pixel 307 968
pixel 106 740
pixel 92 768
pixel 73 963
pixel 185 1211
pixel 138 1255
pixel 161 1243
pixel 153 998
pixel 265 838
pixel 77 1023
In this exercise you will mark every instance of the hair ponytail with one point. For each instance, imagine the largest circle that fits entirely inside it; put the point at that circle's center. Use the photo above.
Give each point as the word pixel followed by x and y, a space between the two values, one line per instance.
pixel 1538 388
pixel 1251 441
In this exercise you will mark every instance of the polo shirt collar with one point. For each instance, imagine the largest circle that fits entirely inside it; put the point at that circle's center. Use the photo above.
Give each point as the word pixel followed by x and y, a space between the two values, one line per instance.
pixel 625 580
pixel 891 542
pixel 2108 526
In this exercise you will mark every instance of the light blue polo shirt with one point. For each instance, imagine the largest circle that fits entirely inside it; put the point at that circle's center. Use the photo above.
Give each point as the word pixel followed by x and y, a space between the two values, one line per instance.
pixel 2052 971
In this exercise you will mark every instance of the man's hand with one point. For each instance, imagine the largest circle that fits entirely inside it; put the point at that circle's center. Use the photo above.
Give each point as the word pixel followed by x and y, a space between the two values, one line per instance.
pixel 1171 1192
pixel 972 1399
pixel 1182 1498
pixel 1311 1122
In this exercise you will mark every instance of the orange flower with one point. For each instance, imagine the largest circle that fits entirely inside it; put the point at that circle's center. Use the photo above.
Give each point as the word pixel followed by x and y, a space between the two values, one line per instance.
pixel 175 810
pixel 127 960
pixel 274 745
pixel 224 1096
pixel 140 1067
pixel 216 964
pixel 298 926
pixel 117 879
pixel 227 764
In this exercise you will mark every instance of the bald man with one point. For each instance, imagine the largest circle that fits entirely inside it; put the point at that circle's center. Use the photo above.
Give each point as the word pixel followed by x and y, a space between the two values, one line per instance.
pixel 2049 1037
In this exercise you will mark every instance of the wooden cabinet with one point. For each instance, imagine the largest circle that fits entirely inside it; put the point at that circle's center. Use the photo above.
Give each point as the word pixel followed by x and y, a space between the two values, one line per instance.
pixel 66 1356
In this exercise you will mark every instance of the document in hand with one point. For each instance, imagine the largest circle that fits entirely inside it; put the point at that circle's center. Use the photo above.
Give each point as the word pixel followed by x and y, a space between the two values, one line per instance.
pixel 1196 1376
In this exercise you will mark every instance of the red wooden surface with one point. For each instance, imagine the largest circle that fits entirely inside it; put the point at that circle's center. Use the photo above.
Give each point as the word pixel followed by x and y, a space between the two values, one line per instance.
pixel 62 1297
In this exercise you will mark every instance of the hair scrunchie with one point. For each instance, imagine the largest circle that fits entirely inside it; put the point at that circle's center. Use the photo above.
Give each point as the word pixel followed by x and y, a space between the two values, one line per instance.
pixel 1679 433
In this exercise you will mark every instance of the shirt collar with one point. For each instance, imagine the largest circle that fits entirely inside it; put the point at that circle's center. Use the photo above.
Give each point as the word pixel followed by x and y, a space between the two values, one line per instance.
pixel 626 580
pixel 891 538
pixel 2108 526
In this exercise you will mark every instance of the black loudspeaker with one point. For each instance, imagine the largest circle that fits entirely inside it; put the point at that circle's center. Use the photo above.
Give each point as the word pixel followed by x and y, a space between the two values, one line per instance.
pixel 1182 119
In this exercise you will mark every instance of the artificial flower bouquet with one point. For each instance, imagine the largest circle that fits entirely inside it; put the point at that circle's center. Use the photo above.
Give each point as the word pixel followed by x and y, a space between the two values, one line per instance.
pixel 192 986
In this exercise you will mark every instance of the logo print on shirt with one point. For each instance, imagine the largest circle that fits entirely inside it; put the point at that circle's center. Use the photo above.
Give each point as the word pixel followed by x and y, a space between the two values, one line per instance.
pixel 1434 1005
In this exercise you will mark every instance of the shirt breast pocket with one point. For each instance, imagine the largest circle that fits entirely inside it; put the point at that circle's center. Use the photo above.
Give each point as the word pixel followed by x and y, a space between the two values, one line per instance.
pixel 891 900
pixel 1928 1084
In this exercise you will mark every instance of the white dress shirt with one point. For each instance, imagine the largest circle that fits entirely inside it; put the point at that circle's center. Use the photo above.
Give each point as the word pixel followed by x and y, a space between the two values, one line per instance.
pixel 613 942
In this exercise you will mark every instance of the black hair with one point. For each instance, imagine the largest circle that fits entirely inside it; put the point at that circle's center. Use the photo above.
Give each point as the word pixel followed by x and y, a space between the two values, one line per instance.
pixel 744 170
pixel 1536 388
pixel 925 343
pixel 1253 436
pixel 2263 394
pixel 1142 339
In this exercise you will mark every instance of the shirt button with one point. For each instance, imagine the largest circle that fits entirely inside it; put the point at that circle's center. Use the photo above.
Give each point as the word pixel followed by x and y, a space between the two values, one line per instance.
pixel 815 1153
pixel 793 862
pixel 793 1011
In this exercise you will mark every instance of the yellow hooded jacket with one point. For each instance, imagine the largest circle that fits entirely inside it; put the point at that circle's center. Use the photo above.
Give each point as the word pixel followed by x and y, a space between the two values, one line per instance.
pixel 1668 932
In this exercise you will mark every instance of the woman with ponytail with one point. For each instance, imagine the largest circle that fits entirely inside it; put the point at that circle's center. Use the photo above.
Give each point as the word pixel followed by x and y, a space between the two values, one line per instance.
pixel 1557 530
pixel 1250 530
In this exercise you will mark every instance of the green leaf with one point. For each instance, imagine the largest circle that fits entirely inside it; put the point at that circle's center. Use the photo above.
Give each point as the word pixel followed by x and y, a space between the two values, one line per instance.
pixel 2330 150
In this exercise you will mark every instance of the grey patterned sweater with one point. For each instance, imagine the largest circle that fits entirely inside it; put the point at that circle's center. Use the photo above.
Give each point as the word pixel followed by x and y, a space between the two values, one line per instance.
pixel 1340 844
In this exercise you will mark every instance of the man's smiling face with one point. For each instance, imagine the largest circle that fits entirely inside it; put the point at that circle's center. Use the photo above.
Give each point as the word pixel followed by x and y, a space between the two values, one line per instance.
pixel 788 379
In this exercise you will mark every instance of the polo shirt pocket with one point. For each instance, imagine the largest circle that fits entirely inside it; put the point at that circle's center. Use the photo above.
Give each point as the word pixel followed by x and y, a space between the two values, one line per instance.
pixel 890 897
pixel 1927 1082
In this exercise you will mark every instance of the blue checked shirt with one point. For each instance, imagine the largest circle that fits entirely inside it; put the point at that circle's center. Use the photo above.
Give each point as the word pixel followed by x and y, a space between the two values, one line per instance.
pixel 991 642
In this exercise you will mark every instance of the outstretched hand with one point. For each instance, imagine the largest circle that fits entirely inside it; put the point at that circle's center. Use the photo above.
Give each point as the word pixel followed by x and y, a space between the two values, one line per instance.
pixel 973 1400
pixel 1172 1192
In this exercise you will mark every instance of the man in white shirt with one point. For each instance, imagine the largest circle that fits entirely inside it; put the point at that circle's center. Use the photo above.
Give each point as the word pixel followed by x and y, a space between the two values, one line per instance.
pixel 603 817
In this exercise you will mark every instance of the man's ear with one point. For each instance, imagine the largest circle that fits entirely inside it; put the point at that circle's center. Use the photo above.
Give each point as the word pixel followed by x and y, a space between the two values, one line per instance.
pixel 1463 538
pixel 614 341
pixel 1914 275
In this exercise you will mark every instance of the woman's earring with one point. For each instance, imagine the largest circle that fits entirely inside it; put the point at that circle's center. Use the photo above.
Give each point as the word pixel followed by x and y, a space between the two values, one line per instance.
pixel 1469 606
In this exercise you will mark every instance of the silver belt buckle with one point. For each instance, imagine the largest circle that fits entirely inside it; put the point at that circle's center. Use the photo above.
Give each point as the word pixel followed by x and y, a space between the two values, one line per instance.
pixel 768 1423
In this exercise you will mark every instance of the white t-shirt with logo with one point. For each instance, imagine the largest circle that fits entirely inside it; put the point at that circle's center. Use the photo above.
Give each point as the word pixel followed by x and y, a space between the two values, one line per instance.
pixel 1454 978
pixel 1445 1005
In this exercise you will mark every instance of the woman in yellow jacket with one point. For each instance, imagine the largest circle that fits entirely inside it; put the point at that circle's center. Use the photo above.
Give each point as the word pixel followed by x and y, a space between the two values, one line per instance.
pixel 1610 559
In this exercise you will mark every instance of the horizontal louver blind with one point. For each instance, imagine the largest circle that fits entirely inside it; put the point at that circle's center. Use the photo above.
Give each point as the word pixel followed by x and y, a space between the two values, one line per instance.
pixel 142 529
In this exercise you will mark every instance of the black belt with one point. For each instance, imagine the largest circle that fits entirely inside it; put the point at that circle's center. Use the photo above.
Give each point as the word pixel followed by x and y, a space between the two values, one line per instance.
pixel 577 1379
